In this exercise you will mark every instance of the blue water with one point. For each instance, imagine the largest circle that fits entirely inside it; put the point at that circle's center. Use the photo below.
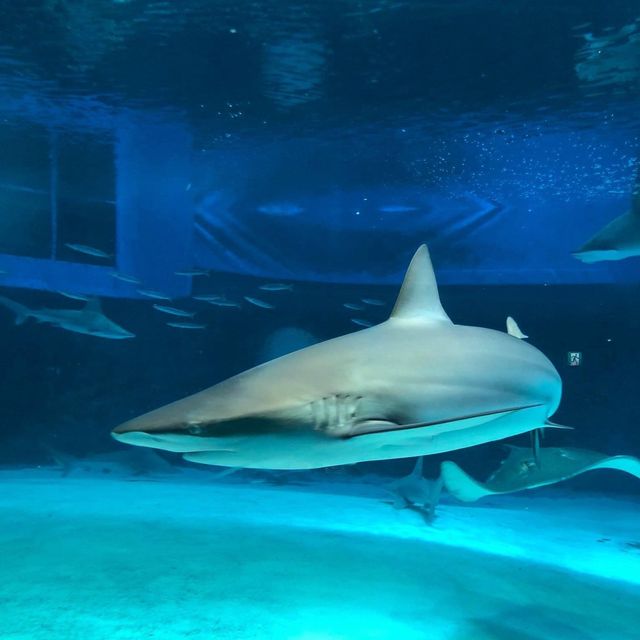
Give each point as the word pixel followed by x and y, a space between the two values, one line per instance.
pixel 313 145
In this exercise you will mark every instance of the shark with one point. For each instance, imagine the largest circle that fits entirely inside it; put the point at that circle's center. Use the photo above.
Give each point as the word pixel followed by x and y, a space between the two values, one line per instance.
pixel 130 462
pixel 417 493
pixel 619 239
pixel 89 320
pixel 416 384
pixel 521 470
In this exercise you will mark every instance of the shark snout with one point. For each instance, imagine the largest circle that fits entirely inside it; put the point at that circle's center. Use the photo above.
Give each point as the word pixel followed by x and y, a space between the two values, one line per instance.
pixel 186 417
pixel 161 429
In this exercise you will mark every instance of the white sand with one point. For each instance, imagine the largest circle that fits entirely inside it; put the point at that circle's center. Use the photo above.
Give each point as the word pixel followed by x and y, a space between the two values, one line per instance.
pixel 183 557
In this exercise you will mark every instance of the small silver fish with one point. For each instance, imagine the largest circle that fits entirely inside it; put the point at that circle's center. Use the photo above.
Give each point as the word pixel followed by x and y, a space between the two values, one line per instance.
pixel 397 208
pixel 87 250
pixel 192 273
pixel 124 277
pixel 207 297
pixel 73 296
pixel 284 209
pixel 259 303
pixel 374 301
pixel 362 323
pixel 224 303
pixel 353 306
pixel 173 311
pixel 153 294
pixel 276 286
pixel 186 325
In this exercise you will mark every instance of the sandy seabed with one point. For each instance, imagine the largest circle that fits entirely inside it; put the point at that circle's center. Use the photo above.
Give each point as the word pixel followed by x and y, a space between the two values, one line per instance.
pixel 93 557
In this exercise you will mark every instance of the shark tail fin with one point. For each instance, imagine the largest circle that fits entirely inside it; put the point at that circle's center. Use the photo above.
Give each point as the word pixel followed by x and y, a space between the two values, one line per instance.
pixel 461 485
pixel 22 312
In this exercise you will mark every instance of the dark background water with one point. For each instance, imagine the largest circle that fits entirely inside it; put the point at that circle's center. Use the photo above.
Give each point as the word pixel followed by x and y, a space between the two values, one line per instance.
pixel 319 142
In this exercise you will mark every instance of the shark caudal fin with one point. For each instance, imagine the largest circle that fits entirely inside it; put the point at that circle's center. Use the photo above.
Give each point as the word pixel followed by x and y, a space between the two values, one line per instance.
pixel 22 312
pixel 418 298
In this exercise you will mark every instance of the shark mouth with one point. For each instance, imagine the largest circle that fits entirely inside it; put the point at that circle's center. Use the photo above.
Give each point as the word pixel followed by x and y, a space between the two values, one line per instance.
pixel 169 441
pixel 186 442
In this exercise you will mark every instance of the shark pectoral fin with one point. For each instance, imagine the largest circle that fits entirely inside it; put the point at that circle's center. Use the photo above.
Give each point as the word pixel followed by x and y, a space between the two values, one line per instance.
pixel 461 485
pixel 216 457
pixel 399 503
pixel 452 424
pixel 395 500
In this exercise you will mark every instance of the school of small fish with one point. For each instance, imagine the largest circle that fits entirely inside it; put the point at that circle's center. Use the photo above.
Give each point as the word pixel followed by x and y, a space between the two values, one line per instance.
pixel 218 299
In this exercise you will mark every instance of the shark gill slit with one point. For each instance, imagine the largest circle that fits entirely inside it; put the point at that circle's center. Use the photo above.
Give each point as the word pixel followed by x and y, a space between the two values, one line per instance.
pixel 335 414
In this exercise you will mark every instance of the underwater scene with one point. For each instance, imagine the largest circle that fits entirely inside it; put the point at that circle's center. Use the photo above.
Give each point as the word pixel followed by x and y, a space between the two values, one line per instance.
pixel 319 320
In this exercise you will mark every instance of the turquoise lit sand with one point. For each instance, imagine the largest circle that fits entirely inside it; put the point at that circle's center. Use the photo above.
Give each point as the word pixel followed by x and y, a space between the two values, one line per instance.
pixel 92 557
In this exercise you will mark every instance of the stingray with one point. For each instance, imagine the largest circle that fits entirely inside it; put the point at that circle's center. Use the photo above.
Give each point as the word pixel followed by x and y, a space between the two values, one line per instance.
pixel 520 470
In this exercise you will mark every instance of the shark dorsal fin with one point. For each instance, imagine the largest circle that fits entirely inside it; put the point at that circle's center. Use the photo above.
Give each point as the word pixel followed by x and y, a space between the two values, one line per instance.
pixel 514 330
pixel 418 298
pixel 93 304
pixel 417 470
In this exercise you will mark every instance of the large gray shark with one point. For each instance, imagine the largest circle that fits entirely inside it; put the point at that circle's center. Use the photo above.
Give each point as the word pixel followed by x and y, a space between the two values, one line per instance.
pixel 89 320
pixel 414 385
pixel 520 470
pixel 619 239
